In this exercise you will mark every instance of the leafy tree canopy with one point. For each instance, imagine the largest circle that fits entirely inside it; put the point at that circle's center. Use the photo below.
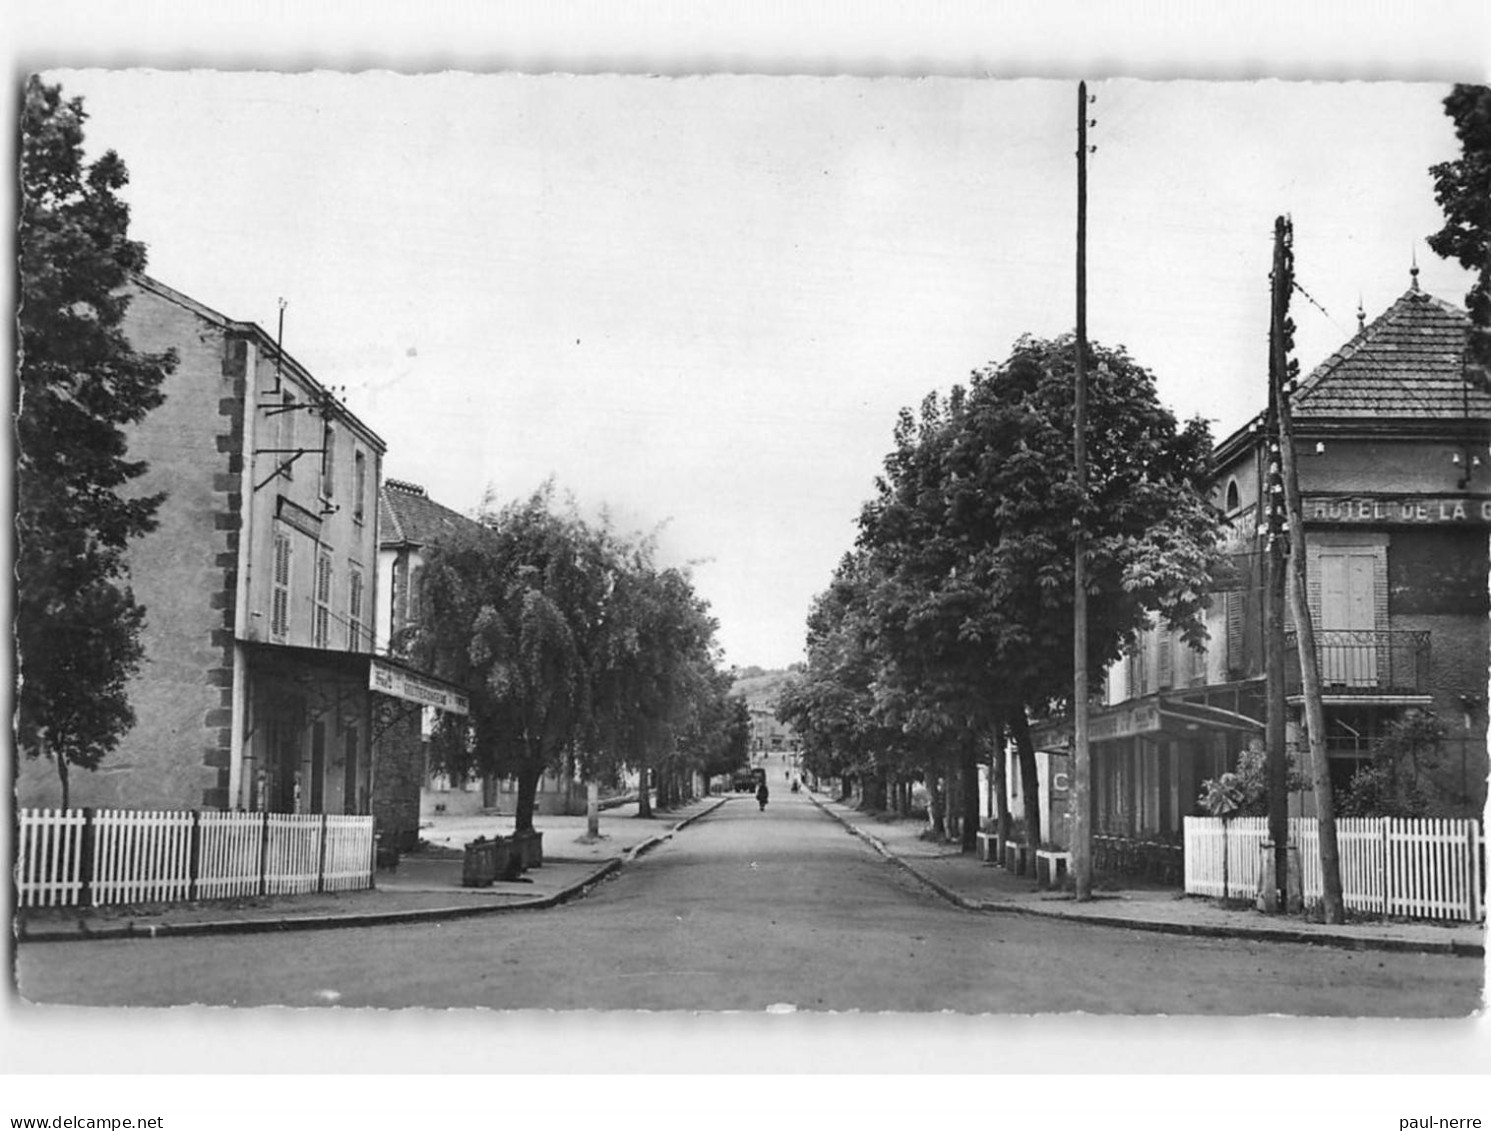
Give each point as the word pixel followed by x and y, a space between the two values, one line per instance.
pixel 1463 189
pixel 576 648
pixel 81 384
pixel 972 531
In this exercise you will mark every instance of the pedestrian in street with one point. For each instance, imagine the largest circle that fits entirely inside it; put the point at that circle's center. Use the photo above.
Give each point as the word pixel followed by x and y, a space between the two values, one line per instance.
pixel 762 793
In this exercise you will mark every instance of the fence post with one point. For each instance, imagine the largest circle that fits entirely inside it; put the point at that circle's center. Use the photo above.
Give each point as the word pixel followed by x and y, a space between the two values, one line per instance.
pixel 194 854
pixel 263 851
pixel 85 860
pixel 1384 870
pixel 321 863
pixel 1473 866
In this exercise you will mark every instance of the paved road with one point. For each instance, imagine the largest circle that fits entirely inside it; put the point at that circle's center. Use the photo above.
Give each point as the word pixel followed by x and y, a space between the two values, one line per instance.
pixel 743 911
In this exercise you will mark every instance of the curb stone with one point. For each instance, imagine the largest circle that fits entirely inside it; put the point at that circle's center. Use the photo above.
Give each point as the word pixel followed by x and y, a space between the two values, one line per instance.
pixel 646 846
pixel 1196 930
pixel 360 919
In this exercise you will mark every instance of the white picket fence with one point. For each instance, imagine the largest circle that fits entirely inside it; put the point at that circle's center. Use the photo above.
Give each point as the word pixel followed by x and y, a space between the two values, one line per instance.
pixel 103 856
pixel 1424 869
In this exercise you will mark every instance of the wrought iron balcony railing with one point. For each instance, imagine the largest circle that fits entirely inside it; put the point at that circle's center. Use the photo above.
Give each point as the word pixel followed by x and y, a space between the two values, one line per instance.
pixel 1365 662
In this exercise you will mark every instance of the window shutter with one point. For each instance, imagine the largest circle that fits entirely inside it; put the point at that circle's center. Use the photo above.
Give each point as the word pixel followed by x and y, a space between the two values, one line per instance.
pixel 354 610
pixel 279 607
pixel 1234 658
pixel 321 627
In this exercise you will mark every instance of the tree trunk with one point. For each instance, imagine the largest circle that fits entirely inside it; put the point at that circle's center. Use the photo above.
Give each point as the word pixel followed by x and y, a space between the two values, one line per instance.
pixel 527 794
pixel 970 793
pixel 878 785
pixel 999 768
pixel 644 796
pixel 934 802
pixel 953 807
pixel 593 809
pixel 62 777
pixel 1029 780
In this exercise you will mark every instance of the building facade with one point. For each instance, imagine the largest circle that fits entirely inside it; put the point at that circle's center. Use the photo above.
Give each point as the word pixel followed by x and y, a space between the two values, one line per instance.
pixel 259 583
pixel 1391 445
pixel 410 523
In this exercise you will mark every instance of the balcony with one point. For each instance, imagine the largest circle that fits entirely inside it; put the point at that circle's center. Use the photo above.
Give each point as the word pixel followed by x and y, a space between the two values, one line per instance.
pixel 1364 663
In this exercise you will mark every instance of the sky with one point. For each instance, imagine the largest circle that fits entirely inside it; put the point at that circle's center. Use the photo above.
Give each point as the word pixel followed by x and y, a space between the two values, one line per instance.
pixel 700 302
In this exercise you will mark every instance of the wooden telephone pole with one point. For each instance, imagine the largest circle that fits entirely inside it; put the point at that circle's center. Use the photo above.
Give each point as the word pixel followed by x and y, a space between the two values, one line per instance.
pixel 1081 757
pixel 1299 607
pixel 1275 542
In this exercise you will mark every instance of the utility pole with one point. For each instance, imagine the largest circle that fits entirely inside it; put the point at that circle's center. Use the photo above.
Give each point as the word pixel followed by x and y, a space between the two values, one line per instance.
pixel 1304 628
pixel 1081 757
pixel 1275 538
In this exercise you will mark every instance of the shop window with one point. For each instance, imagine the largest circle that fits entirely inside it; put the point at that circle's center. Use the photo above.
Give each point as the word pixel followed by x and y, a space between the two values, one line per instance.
pixel 351 803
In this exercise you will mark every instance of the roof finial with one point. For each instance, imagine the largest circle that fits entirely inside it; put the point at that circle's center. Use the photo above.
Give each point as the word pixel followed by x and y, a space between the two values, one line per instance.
pixel 1413 272
pixel 1361 314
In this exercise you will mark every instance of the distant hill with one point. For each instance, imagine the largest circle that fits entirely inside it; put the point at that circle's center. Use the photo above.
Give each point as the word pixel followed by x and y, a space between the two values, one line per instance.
pixel 760 687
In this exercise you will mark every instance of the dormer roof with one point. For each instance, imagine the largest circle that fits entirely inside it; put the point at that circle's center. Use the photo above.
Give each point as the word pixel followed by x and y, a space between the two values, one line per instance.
pixel 409 517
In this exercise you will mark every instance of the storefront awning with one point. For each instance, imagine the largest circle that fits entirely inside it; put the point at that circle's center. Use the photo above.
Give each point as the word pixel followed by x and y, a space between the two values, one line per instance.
pixel 1154 716
pixel 384 675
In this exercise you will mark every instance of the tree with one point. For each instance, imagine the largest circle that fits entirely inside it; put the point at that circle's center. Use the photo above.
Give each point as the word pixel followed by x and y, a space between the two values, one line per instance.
pixel 1463 190
pixel 1399 781
pixel 831 703
pixel 577 650
pixel 971 538
pixel 77 623
pixel 516 612
pixel 659 678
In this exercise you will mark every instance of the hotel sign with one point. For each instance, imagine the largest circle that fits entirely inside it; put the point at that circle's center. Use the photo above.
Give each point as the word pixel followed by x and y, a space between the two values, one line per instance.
pixel 401 684
pixel 1124 722
pixel 1401 510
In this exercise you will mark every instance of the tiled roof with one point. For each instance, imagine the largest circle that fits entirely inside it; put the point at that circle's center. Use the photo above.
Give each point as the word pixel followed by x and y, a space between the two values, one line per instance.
pixel 410 517
pixel 1408 364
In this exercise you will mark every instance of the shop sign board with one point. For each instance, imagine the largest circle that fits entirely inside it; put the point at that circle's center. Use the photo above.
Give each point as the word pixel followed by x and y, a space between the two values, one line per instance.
pixel 400 684
pixel 1397 510
pixel 1124 722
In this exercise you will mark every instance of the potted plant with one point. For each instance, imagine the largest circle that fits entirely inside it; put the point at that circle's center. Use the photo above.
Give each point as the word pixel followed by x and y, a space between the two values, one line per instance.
pixel 1223 797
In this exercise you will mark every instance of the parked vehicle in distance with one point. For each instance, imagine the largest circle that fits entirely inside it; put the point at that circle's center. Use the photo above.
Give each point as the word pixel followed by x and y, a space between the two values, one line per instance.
pixel 747 780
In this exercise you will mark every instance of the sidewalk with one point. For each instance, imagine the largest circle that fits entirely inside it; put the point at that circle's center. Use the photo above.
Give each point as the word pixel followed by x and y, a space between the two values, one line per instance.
pixel 976 886
pixel 425 886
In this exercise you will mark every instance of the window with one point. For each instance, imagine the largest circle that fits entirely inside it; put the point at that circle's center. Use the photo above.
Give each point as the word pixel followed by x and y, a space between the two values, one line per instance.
pixel 1233 502
pixel 354 608
pixel 328 461
pixel 287 442
pixel 411 607
pixel 359 485
pixel 279 610
pixel 321 626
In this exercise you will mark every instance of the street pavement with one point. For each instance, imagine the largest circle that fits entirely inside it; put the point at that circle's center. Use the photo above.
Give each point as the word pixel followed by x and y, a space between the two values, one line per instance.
pixel 985 887
pixel 742 910
pixel 427 885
